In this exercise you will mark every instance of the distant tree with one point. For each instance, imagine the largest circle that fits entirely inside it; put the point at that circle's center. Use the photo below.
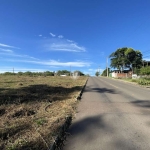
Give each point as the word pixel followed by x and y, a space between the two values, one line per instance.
pixel 87 75
pixel 79 73
pixel 20 73
pixel 124 58
pixel 9 73
pixel 97 73
pixel 29 73
pixel 104 73
pixel 63 72
pixel 48 73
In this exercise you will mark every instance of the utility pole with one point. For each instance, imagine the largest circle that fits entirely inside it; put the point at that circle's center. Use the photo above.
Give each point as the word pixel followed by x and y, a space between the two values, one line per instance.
pixel 99 70
pixel 107 65
pixel 70 70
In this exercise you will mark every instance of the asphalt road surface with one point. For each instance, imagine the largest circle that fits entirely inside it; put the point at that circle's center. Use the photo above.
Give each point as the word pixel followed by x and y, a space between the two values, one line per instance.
pixel 112 115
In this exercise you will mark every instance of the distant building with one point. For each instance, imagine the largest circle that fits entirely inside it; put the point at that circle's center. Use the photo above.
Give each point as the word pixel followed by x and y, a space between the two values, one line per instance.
pixel 63 75
pixel 121 74
pixel 146 63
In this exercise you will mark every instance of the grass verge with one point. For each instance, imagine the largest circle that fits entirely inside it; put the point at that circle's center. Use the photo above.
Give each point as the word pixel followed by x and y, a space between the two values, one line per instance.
pixel 140 81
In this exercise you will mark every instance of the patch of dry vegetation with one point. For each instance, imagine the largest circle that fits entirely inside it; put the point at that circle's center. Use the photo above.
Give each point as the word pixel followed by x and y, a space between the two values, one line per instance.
pixel 32 109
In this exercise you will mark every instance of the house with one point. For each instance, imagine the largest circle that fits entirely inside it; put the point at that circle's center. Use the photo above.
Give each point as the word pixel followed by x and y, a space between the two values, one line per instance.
pixel 146 63
pixel 121 74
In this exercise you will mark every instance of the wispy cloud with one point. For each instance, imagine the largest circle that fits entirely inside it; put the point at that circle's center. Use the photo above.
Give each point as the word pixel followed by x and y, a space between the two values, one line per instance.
pixel 73 47
pixel 69 41
pixel 60 36
pixel 11 54
pixel 7 46
pixel 6 50
pixel 63 45
pixel 54 63
pixel 53 35
pixel 40 34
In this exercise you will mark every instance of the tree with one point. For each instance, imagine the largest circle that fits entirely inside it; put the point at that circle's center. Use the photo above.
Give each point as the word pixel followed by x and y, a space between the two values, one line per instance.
pixel 97 73
pixel 105 72
pixel 79 73
pixel 126 58
pixel 48 73
pixel 63 72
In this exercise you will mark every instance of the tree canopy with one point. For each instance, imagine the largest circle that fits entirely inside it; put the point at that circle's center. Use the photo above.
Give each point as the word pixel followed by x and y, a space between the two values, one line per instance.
pixel 126 58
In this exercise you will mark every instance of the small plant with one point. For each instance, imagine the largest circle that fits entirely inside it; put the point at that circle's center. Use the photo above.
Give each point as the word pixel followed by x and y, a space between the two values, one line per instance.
pixel 134 80
pixel 17 145
pixel 41 121
pixel 144 82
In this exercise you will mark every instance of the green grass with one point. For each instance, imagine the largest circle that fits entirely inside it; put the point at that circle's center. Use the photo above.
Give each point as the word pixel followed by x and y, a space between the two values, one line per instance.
pixel 140 81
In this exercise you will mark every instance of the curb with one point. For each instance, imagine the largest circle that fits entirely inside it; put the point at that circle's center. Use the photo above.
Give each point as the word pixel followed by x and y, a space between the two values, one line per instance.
pixel 80 95
pixel 59 141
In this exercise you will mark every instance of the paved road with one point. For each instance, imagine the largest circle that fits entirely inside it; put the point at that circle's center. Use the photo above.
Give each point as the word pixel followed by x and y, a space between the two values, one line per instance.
pixel 112 115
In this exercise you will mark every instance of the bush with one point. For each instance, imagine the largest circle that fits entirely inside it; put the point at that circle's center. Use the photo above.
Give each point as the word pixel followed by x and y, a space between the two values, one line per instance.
pixel 144 82
pixel 145 70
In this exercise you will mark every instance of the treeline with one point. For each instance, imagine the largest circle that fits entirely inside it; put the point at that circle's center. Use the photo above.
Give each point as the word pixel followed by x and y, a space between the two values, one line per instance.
pixel 46 73
pixel 29 73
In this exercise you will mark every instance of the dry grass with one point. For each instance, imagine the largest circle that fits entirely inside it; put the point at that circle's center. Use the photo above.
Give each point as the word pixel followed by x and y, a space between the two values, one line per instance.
pixel 32 109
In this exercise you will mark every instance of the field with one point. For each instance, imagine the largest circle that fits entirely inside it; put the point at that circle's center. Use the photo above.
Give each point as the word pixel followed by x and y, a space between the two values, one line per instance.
pixel 33 109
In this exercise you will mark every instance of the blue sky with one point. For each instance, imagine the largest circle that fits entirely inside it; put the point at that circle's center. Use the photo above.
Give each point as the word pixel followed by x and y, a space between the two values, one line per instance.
pixel 41 35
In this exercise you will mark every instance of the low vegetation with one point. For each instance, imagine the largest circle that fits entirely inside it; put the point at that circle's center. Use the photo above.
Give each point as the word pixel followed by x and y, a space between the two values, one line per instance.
pixel 33 108
pixel 141 81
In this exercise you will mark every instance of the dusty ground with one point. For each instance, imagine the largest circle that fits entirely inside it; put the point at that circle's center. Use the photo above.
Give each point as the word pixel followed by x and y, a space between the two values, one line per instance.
pixel 32 109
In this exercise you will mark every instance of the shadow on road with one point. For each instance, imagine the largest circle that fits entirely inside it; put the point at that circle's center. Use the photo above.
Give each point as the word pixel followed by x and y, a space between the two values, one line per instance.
pixel 142 103
pixel 100 90
pixel 89 133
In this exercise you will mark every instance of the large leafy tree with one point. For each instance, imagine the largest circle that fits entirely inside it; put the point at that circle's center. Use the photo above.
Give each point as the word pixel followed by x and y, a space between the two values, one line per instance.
pixel 124 58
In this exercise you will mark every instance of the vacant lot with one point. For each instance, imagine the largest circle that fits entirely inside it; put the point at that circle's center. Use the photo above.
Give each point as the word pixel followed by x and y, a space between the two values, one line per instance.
pixel 32 109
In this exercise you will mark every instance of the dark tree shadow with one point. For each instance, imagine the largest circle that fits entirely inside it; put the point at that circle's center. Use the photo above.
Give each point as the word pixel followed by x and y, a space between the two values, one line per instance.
pixel 84 131
pixel 34 93
pixel 100 90
pixel 142 103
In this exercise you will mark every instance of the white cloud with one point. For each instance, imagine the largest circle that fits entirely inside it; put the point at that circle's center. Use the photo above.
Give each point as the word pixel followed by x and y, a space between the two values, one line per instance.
pixel 7 46
pixel 60 36
pixel 53 35
pixel 54 63
pixel 63 45
pixel 40 35
pixel 11 54
pixel 6 50
pixel 69 41
pixel 66 47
